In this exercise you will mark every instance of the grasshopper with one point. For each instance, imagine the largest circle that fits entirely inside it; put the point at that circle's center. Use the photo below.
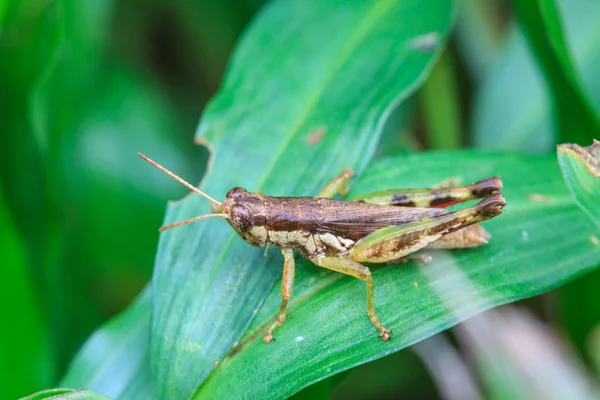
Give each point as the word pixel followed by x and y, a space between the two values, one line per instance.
pixel 339 235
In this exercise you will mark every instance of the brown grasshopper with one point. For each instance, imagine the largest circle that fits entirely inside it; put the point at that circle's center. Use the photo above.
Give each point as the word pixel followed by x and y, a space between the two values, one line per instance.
pixel 382 227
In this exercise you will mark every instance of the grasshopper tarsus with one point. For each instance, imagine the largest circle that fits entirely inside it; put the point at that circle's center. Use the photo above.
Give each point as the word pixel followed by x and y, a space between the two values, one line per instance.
pixel 486 187
pixel 491 206
pixel 268 337
pixel 382 227
pixel 385 334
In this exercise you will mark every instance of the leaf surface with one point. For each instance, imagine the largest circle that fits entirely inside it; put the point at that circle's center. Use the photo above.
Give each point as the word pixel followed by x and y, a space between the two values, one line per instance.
pixel 293 111
pixel 115 359
pixel 512 109
pixel 575 118
pixel 539 242
pixel 66 394
pixel 581 169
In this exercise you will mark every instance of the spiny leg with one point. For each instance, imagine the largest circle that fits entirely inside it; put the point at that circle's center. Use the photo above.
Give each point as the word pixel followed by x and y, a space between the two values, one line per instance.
pixel 287 284
pixel 339 184
pixel 349 267
pixel 396 241
pixel 441 197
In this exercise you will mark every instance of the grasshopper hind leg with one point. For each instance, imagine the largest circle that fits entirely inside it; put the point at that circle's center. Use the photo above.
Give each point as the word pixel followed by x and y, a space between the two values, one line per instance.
pixel 442 197
pixel 464 238
pixel 397 241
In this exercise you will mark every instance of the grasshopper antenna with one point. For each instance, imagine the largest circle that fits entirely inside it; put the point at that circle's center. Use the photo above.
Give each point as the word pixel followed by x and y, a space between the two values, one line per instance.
pixel 187 221
pixel 183 182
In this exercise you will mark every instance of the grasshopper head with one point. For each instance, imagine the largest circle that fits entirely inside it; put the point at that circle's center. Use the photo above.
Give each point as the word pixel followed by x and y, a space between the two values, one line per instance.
pixel 244 211
pixel 246 214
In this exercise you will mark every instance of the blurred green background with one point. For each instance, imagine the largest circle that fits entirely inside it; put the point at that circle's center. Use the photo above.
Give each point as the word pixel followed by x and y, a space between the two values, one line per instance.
pixel 85 85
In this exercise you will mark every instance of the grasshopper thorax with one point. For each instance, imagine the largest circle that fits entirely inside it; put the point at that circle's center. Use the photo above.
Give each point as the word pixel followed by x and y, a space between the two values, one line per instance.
pixel 246 214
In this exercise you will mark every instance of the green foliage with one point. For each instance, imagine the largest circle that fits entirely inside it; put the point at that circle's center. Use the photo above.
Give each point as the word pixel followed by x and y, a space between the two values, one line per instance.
pixel 16 293
pixel 527 255
pixel 123 371
pixel 203 277
pixel 311 87
pixel 512 111
pixel 576 120
pixel 66 394
pixel 581 169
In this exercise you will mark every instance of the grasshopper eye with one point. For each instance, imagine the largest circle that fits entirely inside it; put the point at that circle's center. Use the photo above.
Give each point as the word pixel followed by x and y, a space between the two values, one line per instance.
pixel 242 218
pixel 235 192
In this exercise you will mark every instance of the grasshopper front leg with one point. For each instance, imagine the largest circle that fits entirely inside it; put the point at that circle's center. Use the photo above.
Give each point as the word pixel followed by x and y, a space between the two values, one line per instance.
pixel 349 267
pixel 287 284
pixel 339 184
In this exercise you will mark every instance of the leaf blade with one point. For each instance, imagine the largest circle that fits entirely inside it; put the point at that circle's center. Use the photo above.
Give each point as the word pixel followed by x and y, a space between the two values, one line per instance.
pixel 581 170
pixel 575 117
pixel 327 330
pixel 512 108
pixel 191 332
pixel 114 361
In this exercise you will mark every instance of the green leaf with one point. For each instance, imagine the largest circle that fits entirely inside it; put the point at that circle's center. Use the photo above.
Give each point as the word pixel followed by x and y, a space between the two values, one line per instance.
pixel 304 97
pixel 3 9
pixel 541 241
pixel 581 170
pixel 440 102
pixel 66 394
pixel 26 355
pixel 78 114
pixel 115 359
pixel 512 109
pixel 576 120
pixel 527 254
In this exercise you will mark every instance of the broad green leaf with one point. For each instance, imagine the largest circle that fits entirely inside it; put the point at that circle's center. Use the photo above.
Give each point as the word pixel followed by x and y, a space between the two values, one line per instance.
pixel 542 240
pixel 25 351
pixel 303 98
pixel 581 170
pixel 66 394
pixel 115 360
pixel 576 120
pixel 511 110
